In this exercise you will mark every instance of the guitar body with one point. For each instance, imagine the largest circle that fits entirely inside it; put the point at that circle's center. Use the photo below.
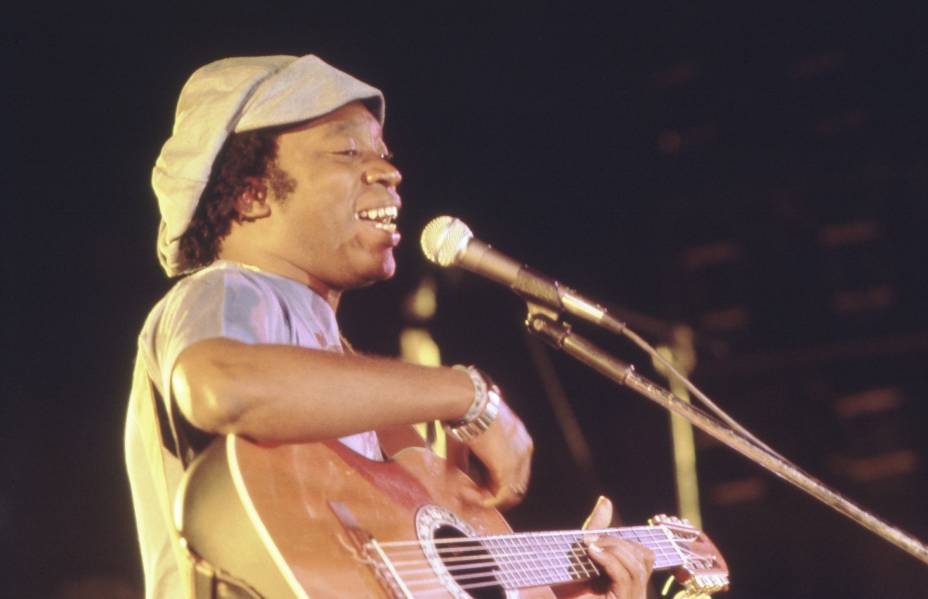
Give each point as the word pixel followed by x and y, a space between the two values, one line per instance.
pixel 285 519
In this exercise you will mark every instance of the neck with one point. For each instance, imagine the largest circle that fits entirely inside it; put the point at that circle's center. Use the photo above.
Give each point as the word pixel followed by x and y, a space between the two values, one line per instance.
pixel 284 269
pixel 552 558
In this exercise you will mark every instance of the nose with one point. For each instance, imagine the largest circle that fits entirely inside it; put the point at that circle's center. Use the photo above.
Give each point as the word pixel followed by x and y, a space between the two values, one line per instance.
pixel 383 173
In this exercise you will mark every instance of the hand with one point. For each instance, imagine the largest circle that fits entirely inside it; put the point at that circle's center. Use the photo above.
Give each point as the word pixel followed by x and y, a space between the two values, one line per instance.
pixel 627 565
pixel 505 449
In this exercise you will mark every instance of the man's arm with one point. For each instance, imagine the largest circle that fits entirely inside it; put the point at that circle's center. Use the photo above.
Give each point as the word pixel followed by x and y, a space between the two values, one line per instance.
pixel 280 393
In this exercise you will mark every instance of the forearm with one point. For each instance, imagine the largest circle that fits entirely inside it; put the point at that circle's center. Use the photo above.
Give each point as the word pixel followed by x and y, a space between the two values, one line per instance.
pixel 281 393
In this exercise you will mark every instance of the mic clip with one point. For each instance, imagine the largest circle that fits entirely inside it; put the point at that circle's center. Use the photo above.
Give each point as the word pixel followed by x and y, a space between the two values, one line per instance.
pixel 546 323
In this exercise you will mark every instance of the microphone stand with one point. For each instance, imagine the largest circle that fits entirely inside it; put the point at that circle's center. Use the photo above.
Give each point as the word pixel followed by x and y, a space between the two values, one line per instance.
pixel 545 323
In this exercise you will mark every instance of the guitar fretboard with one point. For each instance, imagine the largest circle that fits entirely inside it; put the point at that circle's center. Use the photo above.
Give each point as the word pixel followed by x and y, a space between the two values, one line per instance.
pixel 550 558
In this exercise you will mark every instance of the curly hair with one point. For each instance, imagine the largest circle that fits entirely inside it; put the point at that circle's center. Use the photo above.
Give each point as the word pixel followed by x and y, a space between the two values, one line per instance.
pixel 244 155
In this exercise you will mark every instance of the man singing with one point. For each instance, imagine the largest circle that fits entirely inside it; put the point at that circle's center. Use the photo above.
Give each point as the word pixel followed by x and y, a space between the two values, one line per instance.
pixel 277 194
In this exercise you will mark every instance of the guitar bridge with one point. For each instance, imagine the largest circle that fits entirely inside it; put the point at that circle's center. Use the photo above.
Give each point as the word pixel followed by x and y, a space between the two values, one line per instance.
pixel 364 547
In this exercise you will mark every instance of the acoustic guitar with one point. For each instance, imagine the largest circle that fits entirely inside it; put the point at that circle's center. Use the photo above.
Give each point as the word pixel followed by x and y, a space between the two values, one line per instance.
pixel 318 520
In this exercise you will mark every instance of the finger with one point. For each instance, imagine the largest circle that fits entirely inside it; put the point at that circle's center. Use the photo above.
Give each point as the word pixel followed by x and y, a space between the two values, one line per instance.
pixel 474 495
pixel 507 495
pixel 505 449
pixel 513 486
pixel 639 552
pixel 601 516
pixel 512 491
pixel 620 578
pixel 502 499
pixel 624 564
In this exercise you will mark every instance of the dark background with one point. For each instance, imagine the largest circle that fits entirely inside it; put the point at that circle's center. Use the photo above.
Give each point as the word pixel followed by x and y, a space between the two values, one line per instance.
pixel 759 175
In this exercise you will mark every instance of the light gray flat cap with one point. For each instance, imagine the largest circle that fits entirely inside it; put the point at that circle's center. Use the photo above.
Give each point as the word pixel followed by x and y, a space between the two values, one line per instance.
pixel 235 95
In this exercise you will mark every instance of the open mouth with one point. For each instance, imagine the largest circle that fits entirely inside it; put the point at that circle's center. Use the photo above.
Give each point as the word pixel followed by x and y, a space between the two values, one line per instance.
pixel 382 218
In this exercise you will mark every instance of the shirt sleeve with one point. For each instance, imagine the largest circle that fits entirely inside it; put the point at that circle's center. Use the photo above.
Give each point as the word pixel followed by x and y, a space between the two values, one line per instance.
pixel 221 303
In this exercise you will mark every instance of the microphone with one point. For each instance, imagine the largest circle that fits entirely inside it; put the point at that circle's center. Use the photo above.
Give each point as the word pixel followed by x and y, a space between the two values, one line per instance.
pixel 447 241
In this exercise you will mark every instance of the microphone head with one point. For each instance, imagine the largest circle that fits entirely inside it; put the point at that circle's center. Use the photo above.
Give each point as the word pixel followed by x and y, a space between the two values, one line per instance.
pixel 444 239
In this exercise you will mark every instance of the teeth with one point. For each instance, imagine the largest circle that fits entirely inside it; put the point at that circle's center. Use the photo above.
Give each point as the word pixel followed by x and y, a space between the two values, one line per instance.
pixel 383 214
pixel 388 227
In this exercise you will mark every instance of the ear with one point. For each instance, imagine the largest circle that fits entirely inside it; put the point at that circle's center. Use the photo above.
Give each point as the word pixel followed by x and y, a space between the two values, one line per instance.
pixel 252 204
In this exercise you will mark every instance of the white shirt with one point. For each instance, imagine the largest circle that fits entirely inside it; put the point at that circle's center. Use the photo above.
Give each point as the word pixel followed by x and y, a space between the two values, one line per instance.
pixel 224 300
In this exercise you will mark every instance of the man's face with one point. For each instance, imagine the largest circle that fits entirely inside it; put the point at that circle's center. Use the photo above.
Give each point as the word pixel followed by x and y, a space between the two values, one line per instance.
pixel 337 225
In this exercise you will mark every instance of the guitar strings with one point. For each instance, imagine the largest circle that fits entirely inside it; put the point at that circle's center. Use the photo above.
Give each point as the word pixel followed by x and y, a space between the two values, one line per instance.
pixel 413 548
pixel 506 565
pixel 450 550
pixel 541 561
pixel 506 572
pixel 427 587
pixel 655 531
pixel 531 571
pixel 544 554
pixel 492 579
pixel 624 533
pixel 503 561
pixel 533 577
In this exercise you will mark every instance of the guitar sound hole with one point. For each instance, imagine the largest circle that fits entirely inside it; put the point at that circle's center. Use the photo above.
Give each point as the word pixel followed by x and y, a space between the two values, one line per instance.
pixel 469 563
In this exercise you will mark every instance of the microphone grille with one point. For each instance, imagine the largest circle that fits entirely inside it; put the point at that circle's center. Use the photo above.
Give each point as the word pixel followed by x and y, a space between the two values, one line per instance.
pixel 444 238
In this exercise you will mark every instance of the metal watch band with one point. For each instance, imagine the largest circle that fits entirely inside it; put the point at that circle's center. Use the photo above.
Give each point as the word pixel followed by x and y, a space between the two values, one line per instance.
pixel 480 394
pixel 468 430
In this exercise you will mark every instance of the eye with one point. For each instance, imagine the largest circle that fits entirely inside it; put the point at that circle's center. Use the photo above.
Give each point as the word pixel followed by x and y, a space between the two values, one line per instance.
pixel 388 156
pixel 349 152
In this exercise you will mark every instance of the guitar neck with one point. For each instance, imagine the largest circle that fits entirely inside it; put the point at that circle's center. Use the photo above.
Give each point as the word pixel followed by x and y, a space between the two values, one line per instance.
pixel 551 558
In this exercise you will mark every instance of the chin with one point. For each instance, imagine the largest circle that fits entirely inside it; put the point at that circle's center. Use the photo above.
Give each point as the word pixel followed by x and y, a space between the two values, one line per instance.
pixel 382 271
pixel 387 267
pixel 385 274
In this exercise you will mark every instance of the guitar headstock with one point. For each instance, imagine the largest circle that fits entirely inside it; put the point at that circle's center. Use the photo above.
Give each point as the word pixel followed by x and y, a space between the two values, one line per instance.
pixel 703 570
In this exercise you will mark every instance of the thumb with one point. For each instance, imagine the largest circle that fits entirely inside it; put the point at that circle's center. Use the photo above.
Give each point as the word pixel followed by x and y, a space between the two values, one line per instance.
pixel 601 516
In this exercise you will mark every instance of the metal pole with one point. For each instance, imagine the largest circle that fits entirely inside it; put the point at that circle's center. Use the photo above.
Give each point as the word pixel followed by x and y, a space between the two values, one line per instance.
pixel 560 336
